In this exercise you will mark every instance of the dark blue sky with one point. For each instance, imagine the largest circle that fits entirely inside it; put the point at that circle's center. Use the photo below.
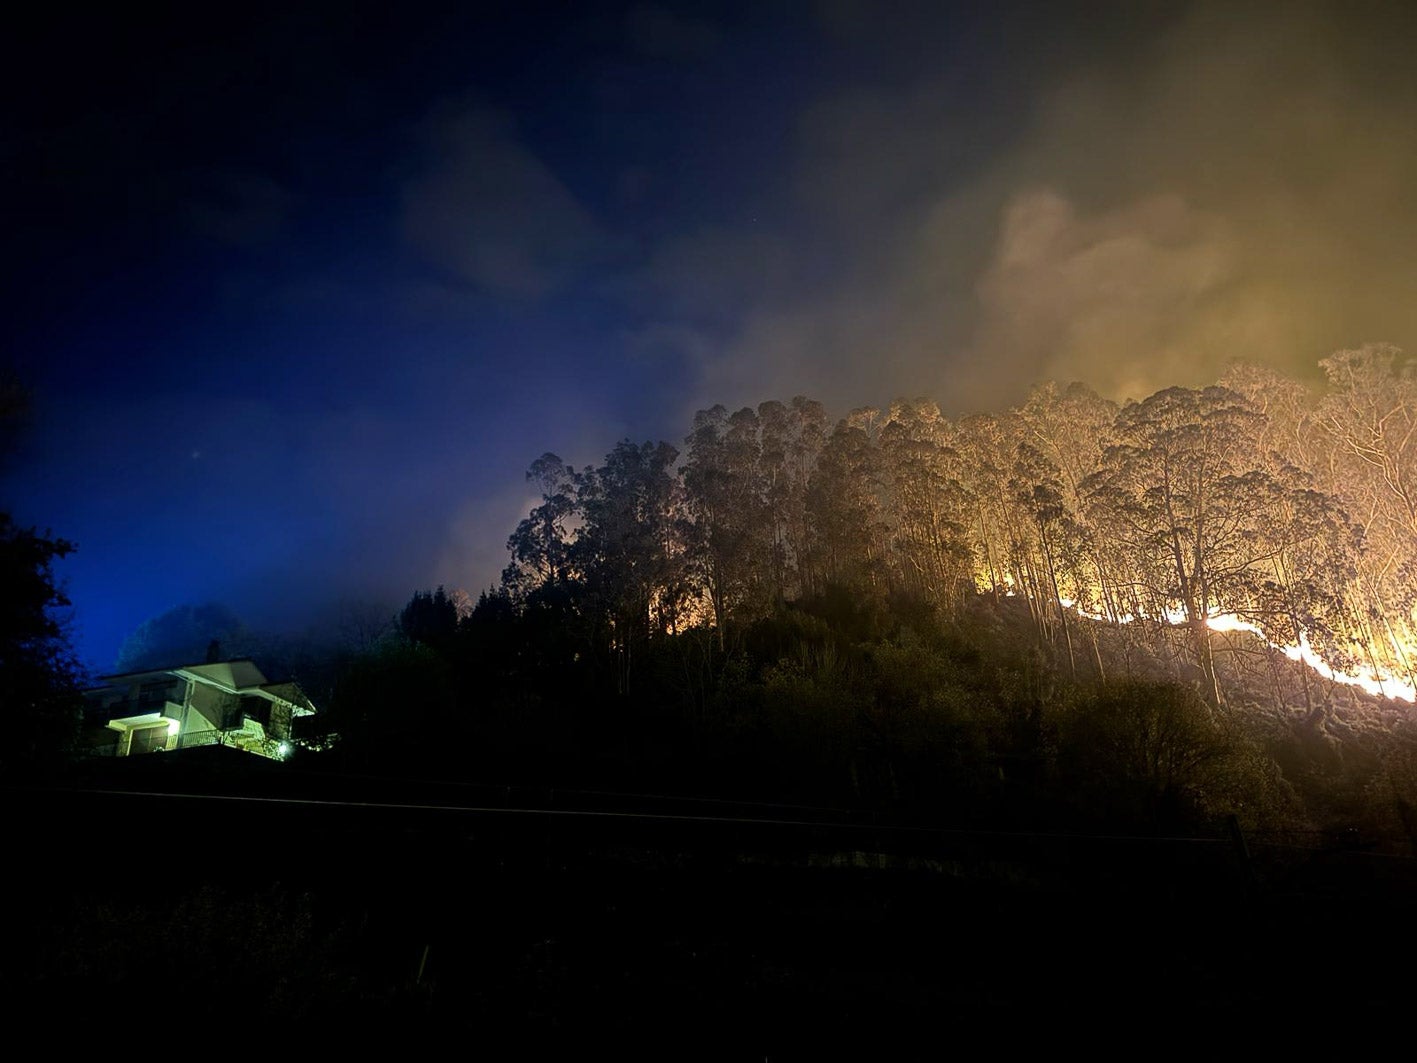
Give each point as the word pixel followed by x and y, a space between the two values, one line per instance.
pixel 300 295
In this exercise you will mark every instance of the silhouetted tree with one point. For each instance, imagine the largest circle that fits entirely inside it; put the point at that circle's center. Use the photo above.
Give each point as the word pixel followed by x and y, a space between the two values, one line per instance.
pixel 1139 752
pixel 396 705
pixel 39 678
pixel 791 437
pixel 540 546
pixel 38 675
pixel 926 503
pixel 844 510
pixel 733 552
pixel 630 555
pixel 183 635
pixel 430 618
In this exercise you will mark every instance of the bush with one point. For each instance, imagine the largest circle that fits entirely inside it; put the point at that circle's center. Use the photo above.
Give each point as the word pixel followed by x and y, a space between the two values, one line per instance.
pixel 1139 753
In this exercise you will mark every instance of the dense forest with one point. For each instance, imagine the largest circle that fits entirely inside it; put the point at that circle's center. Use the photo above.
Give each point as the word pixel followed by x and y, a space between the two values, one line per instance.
pixel 1247 499
pixel 1195 605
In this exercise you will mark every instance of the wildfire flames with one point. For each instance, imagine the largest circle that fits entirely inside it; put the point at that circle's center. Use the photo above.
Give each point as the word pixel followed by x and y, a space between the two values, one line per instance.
pixel 1379 684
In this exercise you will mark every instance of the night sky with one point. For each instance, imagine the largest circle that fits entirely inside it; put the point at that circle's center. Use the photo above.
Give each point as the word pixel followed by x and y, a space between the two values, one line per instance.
pixel 301 293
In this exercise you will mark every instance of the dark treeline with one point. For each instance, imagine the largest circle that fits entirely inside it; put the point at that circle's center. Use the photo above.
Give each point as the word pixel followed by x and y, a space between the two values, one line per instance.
pixel 39 677
pixel 1003 617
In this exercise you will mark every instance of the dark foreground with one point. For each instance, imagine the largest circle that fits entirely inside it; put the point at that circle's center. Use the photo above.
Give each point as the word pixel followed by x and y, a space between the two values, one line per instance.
pixel 671 928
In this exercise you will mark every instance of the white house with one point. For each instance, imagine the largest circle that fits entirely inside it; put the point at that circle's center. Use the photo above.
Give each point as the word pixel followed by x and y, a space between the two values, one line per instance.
pixel 222 703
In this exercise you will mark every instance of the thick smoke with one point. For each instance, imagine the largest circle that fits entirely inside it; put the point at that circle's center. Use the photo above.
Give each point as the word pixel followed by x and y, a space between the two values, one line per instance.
pixel 1229 183
pixel 1132 196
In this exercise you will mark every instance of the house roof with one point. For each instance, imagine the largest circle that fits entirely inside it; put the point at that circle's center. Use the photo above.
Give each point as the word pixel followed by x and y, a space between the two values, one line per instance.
pixel 237 676
pixel 238 672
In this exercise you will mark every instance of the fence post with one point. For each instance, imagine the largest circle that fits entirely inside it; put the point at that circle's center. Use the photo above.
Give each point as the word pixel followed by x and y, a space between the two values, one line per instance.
pixel 1242 851
pixel 1408 815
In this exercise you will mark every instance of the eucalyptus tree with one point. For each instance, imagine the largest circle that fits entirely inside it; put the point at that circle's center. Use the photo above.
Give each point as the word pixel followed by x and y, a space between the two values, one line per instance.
pixel 791 437
pixel 1071 427
pixel 1291 433
pixel 630 555
pixel 1179 490
pixel 986 448
pixel 1302 589
pixel 1316 586
pixel 1046 532
pixel 540 546
pixel 843 506
pixel 1370 413
pixel 1370 418
pixel 925 502
pixel 727 494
